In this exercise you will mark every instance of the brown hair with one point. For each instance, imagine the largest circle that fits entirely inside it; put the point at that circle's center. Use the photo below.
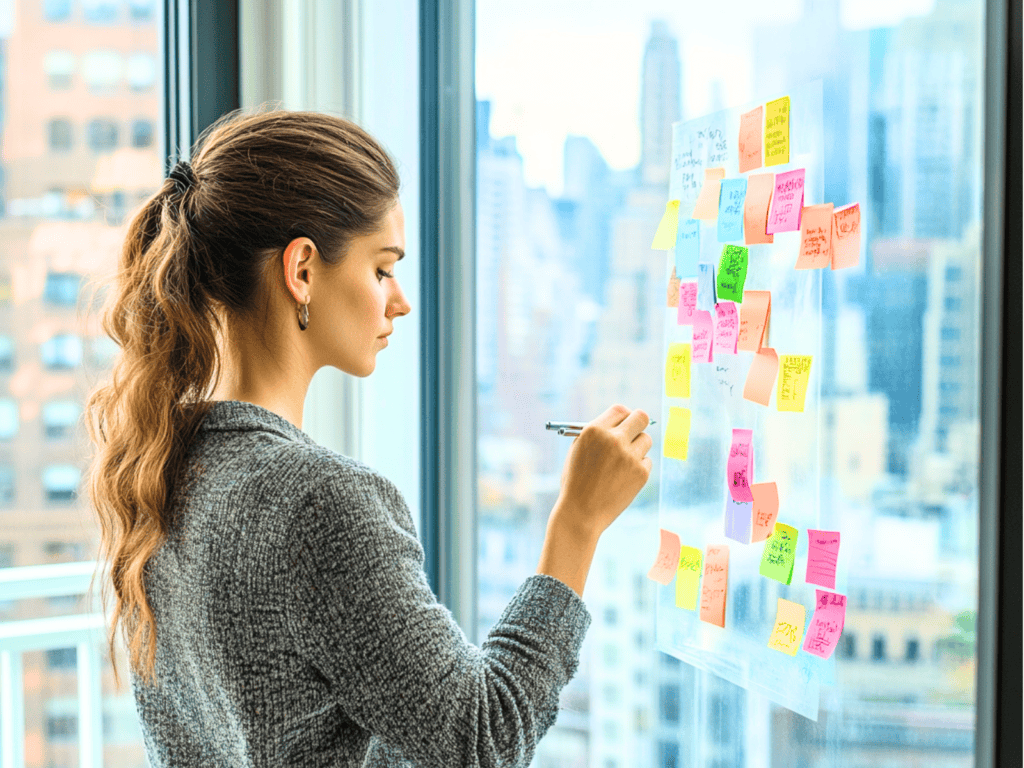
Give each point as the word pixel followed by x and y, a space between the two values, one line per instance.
pixel 259 180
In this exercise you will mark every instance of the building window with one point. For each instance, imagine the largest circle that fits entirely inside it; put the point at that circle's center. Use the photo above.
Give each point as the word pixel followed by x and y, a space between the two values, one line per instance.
pixel 640 720
pixel 60 418
pixel 913 650
pixel 8 418
pixel 63 352
pixel 102 70
pixel 141 71
pixel 61 658
pixel 611 616
pixel 61 288
pixel 848 646
pixel 640 678
pixel 668 703
pixel 6 555
pixel 952 303
pixel 142 133
pixel 59 67
pixel 100 11
pixel 102 135
pixel 953 274
pixel 950 334
pixel 57 10
pixel 611 694
pixel 103 351
pixel 6 354
pixel 668 754
pixel 140 10
pixel 62 728
pixel 60 482
pixel 58 134
pixel 7 490
pixel 878 648
pixel 611 654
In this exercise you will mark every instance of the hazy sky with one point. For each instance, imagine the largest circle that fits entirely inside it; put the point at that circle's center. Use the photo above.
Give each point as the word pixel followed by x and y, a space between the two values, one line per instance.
pixel 558 67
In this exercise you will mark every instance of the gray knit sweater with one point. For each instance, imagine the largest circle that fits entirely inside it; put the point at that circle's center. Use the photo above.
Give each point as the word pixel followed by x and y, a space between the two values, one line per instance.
pixel 296 627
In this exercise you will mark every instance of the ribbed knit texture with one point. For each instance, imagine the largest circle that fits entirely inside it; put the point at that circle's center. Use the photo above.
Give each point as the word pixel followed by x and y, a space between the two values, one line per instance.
pixel 296 627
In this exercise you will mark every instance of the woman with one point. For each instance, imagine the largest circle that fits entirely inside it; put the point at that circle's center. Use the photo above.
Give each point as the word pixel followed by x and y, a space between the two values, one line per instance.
pixel 271 592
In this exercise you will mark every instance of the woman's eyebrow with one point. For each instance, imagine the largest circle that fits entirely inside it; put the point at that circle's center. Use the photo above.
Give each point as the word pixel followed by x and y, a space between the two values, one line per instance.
pixel 396 250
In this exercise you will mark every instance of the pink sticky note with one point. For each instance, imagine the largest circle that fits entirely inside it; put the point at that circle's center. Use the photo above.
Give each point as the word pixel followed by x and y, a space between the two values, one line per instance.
pixel 715 586
pixel 706 207
pixel 755 208
pixel 673 289
pixel 766 509
pixel 822 556
pixel 815 237
pixel 787 202
pixel 751 124
pixel 846 237
pixel 703 335
pixel 667 561
pixel 754 313
pixel 827 623
pixel 687 303
pixel 741 464
pixel 761 377
pixel 727 327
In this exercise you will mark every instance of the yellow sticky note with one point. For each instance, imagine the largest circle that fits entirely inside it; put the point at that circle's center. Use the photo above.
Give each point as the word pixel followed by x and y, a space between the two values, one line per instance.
pixel 677 371
pixel 794 371
pixel 776 132
pixel 677 433
pixel 789 627
pixel 688 577
pixel 665 237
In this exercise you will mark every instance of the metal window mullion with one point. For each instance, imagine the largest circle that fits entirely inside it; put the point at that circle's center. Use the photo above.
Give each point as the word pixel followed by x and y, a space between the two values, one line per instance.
pixel 90 705
pixel 12 710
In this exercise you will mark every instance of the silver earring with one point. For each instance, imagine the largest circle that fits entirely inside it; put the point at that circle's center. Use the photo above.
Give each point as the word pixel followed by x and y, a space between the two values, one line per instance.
pixel 304 316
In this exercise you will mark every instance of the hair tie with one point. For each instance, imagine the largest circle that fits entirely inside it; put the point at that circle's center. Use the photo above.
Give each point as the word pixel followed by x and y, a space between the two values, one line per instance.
pixel 183 176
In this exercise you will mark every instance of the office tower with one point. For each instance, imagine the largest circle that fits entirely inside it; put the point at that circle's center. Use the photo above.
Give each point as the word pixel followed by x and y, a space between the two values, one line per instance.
pixel 660 100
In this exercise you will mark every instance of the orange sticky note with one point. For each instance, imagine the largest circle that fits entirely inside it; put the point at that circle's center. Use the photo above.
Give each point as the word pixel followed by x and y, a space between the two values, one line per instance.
pixel 846 237
pixel 755 208
pixel 677 433
pixel 750 139
pixel 667 561
pixel 789 627
pixel 688 577
pixel 706 207
pixel 665 237
pixel 815 237
pixel 754 313
pixel 794 373
pixel 677 371
pixel 776 132
pixel 673 289
pixel 716 583
pixel 766 510
pixel 761 376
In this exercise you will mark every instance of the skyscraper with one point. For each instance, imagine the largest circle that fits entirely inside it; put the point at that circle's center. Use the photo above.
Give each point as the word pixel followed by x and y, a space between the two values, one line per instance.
pixel 660 100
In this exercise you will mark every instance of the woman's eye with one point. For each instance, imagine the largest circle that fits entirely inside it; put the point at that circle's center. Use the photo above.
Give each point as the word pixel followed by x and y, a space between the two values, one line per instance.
pixel 381 274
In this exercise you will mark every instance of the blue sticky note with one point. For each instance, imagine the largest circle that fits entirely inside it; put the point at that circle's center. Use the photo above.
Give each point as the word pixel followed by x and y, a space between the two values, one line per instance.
pixel 687 247
pixel 738 516
pixel 706 297
pixel 730 210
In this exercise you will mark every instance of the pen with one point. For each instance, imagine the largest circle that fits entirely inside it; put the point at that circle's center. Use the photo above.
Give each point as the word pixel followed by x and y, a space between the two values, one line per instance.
pixel 572 428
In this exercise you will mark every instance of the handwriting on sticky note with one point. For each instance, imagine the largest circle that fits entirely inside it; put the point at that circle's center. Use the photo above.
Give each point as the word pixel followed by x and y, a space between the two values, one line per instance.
pixel 707 296
pixel 738 516
pixel 665 236
pixel 822 556
pixel 677 371
pixel 687 247
pixel 754 313
pixel 789 627
pixel 730 210
pixel 667 560
pixel 776 132
pixel 740 467
pixel 727 328
pixel 677 433
pixel 673 290
pixel 732 273
pixel 751 124
pixel 703 335
pixel 716 583
pixel 846 236
pixel 706 207
pixel 787 202
pixel 691 561
pixel 794 373
pixel 766 510
pixel 815 237
pixel 687 302
pixel 780 553
pixel 761 376
pixel 827 623
pixel 755 208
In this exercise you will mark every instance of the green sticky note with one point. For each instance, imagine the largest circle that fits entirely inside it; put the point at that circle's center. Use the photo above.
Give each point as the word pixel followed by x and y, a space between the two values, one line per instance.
pixel 732 273
pixel 688 577
pixel 780 553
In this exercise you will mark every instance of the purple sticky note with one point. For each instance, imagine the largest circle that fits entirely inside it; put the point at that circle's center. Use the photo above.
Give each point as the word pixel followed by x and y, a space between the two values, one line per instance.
pixel 822 556
pixel 727 327
pixel 787 200
pixel 740 470
pixel 703 334
pixel 687 303
pixel 826 625
pixel 738 516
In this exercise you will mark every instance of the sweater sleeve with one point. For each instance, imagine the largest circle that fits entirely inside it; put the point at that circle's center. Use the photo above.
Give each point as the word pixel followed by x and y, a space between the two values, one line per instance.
pixel 363 613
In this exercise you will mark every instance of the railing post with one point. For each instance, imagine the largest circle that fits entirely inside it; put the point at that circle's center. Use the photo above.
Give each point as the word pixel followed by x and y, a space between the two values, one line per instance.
pixel 90 706
pixel 12 711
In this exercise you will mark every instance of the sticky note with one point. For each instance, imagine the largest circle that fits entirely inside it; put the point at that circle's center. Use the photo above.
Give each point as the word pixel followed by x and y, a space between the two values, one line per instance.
pixel 667 560
pixel 706 207
pixel 751 124
pixel 727 373
pixel 687 247
pixel 787 202
pixel 766 510
pixel 707 296
pixel 665 237
pixel 716 582
pixel 730 210
pixel 677 371
pixel 815 237
pixel 776 132
pixel 688 577
pixel 673 290
pixel 794 372
pixel 738 516
pixel 755 208
pixel 677 433
pixel 780 553
pixel 727 328
pixel 732 273
pixel 703 335
pixel 687 302
pixel 740 467
pixel 761 376
pixel 789 627
pixel 822 556
pixel 827 623
pixel 846 237
pixel 754 313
